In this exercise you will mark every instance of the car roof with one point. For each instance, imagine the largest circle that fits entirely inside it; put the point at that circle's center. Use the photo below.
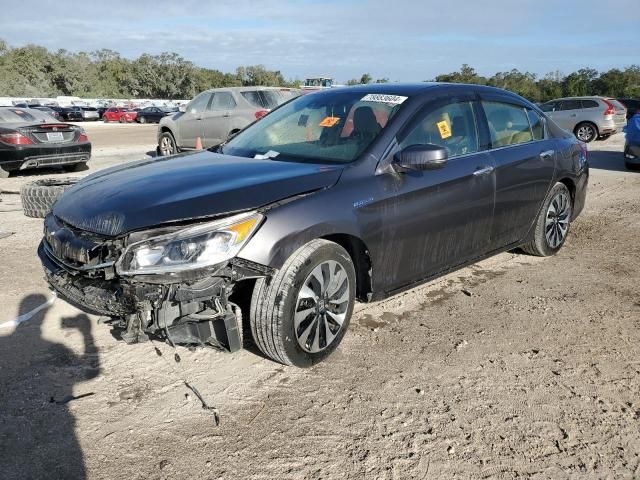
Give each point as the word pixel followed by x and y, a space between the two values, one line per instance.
pixel 585 97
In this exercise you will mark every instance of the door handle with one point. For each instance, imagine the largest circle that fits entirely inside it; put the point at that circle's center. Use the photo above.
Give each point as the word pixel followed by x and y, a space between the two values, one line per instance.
pixel 547 154
pixel 483 171
pixel 226 114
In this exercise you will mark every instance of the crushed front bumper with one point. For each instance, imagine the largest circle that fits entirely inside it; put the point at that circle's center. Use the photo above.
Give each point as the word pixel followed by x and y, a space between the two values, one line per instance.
pixel 194 311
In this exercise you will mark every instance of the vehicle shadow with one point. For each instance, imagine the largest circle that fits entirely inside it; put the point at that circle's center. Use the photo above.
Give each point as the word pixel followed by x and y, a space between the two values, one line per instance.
pixel 608 160
pixel 37 429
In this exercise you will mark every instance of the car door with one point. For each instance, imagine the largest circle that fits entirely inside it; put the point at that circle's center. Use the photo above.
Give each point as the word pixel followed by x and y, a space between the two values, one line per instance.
pixel 216 119
pixel 433 220
pixel 190 122
pixel 524 158
pixel 567 115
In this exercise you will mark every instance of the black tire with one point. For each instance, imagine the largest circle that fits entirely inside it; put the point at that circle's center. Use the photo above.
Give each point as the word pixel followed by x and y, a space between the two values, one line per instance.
pixel 142 120
pixel 105 119
pixel 275 300
pixel 4 173
pixel 122 119
pixel 628 165
pixel 76 167
pixel 586 132
pixel 38 197
pixel 547 223
pixel 170 144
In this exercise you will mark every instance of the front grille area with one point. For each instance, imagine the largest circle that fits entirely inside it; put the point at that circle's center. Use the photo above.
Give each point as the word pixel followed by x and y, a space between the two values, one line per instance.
pixel 76 248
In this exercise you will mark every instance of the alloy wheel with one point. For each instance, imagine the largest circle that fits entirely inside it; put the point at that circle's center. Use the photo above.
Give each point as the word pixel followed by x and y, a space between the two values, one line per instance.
pixel 321 306
pixel 585 133
pixel 166 146
pixel 557 222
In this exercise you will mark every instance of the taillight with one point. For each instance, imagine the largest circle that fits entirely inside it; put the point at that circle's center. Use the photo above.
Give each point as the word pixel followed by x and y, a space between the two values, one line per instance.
pixel 261 113
pixel 14 139
pixel 83 138
pixel 610 108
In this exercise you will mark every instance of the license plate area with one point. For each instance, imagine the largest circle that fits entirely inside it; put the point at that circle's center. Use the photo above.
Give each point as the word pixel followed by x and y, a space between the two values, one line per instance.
pixel 55 137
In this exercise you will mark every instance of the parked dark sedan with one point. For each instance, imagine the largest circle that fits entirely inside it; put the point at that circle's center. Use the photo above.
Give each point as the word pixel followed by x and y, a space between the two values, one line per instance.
pixel 48 111
pixel 30 138
pixel 345 194
pixel 152 114
pixel 69 114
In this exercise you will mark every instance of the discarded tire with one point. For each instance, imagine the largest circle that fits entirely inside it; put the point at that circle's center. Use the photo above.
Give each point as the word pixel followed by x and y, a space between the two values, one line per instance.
pixel 38 197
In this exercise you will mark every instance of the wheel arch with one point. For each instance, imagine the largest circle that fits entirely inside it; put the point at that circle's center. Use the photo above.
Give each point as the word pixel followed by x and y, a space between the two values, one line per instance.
pixel 570 184
pixel 361 259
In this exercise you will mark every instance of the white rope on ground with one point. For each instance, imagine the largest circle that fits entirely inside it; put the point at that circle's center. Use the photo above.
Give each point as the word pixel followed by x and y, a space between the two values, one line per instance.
pixel 27 316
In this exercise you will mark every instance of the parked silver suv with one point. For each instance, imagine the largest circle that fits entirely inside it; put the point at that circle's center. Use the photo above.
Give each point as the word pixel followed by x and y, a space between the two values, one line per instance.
pixel 214 115
pixel 587 117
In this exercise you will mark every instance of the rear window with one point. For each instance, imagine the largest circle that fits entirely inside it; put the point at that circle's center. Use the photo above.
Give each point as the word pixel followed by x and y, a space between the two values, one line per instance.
pixel 11 115
pixel 266 98
pixel 616 104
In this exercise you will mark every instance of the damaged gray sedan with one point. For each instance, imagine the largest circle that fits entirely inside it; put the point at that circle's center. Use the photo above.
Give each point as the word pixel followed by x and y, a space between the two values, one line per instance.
pixel 337 196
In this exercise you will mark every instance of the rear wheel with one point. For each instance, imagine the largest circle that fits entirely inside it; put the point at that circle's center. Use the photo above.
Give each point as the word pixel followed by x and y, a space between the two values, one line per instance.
pixel 552 225
pixel 4 173
pixel 123 119
pixel 300 315
pixel 586 132
pixel 105 119
pixel 167 144
pixel 142 120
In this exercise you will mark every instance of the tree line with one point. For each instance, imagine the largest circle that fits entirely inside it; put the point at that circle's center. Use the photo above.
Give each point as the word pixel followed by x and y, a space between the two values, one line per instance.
pixel 34 71
pixel 586 81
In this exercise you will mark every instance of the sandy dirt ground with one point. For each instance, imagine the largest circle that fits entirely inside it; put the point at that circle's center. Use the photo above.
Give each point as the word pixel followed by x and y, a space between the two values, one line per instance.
pixel 532 373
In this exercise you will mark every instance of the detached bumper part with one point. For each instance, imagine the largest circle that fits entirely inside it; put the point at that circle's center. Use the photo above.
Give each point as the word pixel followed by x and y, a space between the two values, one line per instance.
pixel 193 313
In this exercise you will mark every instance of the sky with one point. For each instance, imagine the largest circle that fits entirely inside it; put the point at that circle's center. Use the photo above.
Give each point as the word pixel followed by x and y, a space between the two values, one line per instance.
pixel 403 40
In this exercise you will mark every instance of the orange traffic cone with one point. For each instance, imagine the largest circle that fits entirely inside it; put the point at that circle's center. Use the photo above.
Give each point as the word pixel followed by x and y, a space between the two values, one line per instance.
pixel 198 143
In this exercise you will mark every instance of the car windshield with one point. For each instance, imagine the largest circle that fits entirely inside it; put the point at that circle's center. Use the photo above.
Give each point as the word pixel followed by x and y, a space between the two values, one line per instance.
pixel 327 127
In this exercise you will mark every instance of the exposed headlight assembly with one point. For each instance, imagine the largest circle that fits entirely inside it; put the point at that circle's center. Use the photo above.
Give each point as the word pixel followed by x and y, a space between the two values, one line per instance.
pixel 195 247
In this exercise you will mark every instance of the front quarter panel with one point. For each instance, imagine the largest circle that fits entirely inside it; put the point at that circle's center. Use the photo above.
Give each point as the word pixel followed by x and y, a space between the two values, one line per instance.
pixel 294 222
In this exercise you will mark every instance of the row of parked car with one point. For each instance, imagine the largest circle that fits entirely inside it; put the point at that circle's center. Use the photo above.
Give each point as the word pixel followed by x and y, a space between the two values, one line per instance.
pixel 150 114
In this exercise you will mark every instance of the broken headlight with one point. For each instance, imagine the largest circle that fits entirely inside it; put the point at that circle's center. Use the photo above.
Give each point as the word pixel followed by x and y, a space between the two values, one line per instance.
pixel 195 247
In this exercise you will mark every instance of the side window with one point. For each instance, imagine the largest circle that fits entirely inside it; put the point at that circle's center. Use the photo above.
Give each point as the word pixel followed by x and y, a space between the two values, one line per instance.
pixel 223 101
pixel 199 104
pixel 571 105
pixel 508 124
pixel 589 104
pixel 537 125
pixel 452 126
pixel 549 106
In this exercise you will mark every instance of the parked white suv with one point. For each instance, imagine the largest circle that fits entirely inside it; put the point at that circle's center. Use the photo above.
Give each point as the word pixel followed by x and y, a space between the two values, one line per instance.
pixel 587 117
pixel 213 115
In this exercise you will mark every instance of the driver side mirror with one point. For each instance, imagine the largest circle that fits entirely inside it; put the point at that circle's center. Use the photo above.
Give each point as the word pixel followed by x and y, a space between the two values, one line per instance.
pixel 421 157
pixel 182 108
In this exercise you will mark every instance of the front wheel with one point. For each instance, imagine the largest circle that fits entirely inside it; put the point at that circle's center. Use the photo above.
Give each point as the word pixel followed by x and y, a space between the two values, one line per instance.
pixel 142 120
pixel 167 144
pixel 300 315
pixel 552 225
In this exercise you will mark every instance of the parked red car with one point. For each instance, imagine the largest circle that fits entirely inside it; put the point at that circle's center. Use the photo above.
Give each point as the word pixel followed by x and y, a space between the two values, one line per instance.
pixel 117 114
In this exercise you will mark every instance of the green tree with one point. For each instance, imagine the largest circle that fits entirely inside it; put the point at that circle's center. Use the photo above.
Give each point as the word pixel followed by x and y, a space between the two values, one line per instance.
pixel 467 74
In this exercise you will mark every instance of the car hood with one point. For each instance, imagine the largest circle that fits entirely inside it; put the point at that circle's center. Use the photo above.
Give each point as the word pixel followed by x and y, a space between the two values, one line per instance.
pixel 173 189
